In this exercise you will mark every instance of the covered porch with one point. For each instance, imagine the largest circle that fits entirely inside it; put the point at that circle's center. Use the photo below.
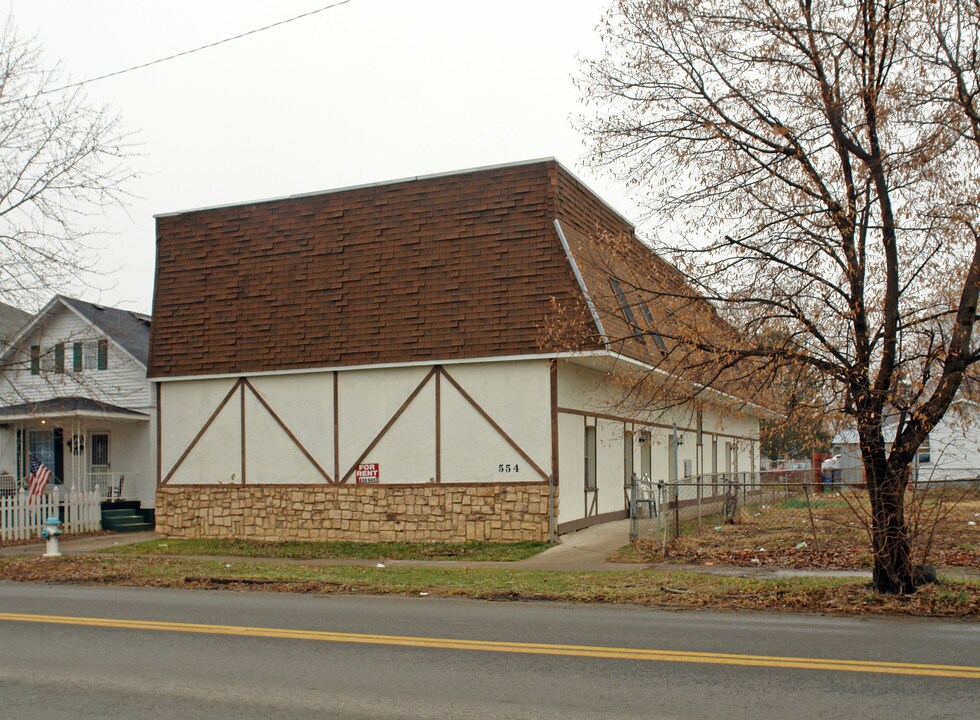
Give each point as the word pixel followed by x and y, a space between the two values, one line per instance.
pixel 88 445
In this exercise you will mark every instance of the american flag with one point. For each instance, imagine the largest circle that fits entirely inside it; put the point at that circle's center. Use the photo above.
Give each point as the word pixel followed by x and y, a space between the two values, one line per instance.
pixel 38 479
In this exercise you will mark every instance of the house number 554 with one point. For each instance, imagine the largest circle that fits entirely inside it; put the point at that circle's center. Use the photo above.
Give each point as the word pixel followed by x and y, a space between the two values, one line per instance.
pixel 508 468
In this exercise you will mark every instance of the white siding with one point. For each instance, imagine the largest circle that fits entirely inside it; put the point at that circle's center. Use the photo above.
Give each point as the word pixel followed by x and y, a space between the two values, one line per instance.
pixel 123 383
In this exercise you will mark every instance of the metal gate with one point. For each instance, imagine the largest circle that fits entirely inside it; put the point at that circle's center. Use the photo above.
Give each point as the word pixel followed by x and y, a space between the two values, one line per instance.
pixel 646 498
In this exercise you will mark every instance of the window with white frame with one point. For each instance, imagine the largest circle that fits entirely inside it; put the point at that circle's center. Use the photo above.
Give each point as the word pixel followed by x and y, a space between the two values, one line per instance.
pixel 925 452
pixel 590 458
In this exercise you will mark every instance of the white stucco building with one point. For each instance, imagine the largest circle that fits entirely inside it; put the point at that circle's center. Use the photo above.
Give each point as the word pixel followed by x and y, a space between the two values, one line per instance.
pixel 376 363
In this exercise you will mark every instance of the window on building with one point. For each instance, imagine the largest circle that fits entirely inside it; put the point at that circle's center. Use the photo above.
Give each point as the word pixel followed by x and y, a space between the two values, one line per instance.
pixel 627 309
pixel 47 360
pixel 925 454
pixel 35 359
pixel 648 318
pixel 90 355
pixel 590 458
pixel 628 458
pixel 94 354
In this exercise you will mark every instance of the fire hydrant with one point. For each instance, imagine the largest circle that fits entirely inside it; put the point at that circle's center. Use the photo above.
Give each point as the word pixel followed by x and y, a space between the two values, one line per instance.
pixel 50 532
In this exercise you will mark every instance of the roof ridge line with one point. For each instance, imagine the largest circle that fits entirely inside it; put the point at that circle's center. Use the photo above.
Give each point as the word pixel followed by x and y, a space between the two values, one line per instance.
pixel 364 186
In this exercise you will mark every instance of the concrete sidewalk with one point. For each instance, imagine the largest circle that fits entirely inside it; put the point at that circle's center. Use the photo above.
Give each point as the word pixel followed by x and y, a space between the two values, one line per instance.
pixel 583 551
pixel 79 546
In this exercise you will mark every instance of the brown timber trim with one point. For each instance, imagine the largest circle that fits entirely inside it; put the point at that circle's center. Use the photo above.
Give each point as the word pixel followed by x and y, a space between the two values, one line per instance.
pixel 494 425
pixel 243 430
pixel 336 425
pixel 254 485
pixel 387 427
pixel 585 439
pixel 159 436
pixel 438 424
pixel 200 433
pixel 581 523
pixel 661 426
pixel 285 429
pixel 553 373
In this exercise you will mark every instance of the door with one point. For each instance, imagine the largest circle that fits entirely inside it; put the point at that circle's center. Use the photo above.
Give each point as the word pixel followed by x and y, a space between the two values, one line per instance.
pixel 646 456
pixel 627 465
pixel 40 444
pixel 99 465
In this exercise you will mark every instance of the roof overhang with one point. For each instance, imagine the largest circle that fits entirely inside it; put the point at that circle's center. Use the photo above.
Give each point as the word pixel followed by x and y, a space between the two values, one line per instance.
pixel 602 360
pixel 69 408
pixel 609 360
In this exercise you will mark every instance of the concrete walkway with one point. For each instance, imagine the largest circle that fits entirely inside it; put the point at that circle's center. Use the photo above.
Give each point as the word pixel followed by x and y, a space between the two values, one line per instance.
pixel 583 551
pixel 80 546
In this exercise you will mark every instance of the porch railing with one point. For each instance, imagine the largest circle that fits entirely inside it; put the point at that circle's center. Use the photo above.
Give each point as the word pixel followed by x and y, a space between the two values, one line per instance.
pixel 111 485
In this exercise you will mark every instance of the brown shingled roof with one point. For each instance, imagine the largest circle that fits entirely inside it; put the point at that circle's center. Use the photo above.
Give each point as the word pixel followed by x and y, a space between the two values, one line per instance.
pixel 448 267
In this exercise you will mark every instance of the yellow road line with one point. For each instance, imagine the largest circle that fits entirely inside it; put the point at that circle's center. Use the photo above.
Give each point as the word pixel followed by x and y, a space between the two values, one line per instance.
pixel 615 653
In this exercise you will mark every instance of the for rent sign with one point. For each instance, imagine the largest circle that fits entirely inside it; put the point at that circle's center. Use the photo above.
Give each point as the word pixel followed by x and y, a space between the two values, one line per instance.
pixel 367 473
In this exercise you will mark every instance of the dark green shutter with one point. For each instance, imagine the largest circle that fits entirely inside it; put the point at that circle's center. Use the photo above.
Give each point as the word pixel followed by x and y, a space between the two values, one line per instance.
pixel 59 455
pixel 35 359
pixel 103 354
pixel 76 356
pixel 59 357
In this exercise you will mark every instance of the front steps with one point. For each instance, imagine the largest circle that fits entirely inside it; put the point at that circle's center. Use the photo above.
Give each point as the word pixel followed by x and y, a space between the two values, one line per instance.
pixel 126 516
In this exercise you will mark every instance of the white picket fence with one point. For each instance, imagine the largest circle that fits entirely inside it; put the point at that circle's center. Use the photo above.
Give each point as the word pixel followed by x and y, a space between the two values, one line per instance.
pixel 21 520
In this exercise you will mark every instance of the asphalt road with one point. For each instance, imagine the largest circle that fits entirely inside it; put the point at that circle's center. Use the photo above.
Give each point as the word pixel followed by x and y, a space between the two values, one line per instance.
pixel 56 668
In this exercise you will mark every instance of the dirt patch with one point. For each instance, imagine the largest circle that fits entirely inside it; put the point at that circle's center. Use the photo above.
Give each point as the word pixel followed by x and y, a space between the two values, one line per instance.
pixel 781 534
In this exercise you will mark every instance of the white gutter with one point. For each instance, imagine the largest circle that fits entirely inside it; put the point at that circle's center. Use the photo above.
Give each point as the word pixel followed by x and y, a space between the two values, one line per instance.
pixel 706 389
pixel 581 284
pixel 89 414
pixel 384 366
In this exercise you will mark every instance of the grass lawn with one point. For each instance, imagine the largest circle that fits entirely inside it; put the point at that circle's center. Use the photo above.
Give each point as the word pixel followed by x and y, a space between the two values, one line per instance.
pixel 948 598
pixel 478 551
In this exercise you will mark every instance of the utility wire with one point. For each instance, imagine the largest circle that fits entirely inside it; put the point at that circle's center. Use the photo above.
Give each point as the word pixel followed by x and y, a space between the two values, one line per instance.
pixel 194 50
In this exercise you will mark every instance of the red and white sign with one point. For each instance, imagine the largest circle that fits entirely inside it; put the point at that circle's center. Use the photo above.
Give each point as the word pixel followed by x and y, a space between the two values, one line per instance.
pixel 367 473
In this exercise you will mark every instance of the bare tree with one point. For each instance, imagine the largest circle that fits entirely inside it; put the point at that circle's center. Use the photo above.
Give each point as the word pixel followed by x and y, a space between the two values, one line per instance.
pixel 63 162
pixel 818 162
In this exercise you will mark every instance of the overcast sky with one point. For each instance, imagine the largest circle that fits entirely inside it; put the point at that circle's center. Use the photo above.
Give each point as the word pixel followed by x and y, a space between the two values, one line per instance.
pixel 370 91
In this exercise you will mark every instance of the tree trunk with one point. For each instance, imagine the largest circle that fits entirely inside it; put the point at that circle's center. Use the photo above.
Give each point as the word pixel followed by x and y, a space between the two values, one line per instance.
pixel 892 571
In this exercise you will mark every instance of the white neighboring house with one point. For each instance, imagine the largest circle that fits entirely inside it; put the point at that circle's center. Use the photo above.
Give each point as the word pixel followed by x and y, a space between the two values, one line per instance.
pixel 11 321
pixel 74 394
pixel 951 452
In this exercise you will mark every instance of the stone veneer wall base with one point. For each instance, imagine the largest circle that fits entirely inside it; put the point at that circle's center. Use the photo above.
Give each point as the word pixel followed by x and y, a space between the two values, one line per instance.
pixel 369 513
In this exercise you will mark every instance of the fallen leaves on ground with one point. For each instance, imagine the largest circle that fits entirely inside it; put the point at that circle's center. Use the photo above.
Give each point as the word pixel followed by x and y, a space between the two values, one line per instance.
pixel 669 589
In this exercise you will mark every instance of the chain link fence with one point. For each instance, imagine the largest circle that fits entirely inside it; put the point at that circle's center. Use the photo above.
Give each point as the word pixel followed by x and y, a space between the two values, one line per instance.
pixel 795 518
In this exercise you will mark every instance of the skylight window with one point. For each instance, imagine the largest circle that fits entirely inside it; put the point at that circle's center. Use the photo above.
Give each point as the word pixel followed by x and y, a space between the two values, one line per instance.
pixel 624 304
pixel 630 316
pixel 648 317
